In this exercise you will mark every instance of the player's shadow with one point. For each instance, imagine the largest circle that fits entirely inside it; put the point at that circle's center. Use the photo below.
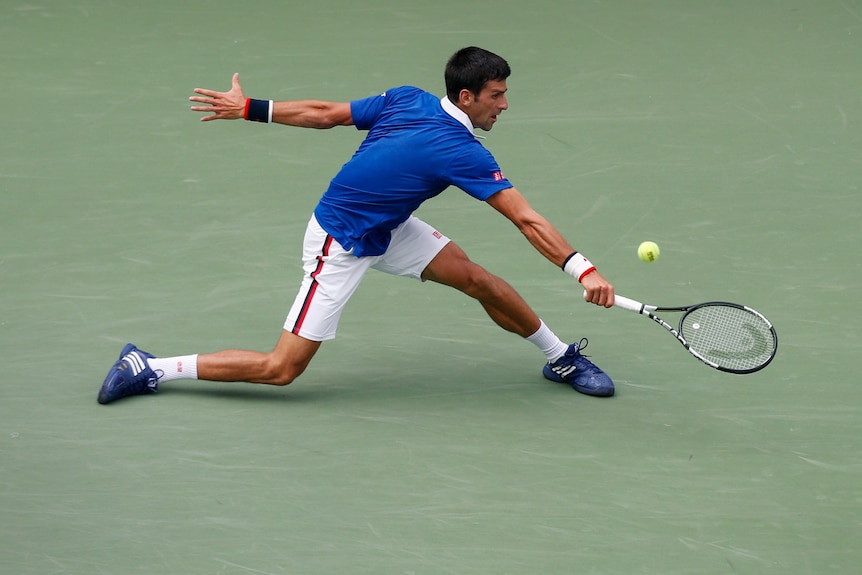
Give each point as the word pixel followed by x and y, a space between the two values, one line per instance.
pixel 251 393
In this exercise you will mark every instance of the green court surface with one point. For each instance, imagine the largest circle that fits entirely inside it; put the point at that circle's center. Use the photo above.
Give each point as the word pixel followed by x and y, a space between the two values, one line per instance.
pixel 424 439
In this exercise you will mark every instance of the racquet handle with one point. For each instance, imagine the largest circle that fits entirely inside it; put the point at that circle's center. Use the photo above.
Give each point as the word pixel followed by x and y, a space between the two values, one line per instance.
pixel 625 303
pixel 629 304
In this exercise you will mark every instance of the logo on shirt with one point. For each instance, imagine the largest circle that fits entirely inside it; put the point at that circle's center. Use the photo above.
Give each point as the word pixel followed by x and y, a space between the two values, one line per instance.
pixel 437 234
pixel 498 177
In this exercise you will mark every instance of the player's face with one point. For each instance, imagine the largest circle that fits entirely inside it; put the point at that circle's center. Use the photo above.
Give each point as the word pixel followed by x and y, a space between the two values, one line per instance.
pixel 484 108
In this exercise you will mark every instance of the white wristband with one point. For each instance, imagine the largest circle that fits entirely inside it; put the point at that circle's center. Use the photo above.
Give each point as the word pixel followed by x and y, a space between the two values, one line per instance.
pixel 577 266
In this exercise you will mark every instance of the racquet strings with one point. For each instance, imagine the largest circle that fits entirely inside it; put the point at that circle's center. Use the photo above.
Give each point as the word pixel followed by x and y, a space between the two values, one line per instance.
pixel 732 337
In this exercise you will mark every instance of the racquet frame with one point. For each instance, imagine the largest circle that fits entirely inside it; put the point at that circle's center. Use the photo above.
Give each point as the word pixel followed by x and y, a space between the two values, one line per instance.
pixel 648 310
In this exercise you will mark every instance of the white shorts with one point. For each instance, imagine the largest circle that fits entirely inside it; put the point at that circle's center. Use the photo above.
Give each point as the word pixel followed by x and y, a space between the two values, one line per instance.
pixel 331 274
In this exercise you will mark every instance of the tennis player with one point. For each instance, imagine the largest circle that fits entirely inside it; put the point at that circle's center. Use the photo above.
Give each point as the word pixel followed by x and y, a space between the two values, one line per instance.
pixel 417 145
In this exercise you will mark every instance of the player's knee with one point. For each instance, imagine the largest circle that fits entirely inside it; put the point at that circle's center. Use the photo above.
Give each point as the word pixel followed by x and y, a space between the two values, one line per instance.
pixel 281 372
pixel 459 272
pixel 282 379
pixel 288 359
pixel 482 284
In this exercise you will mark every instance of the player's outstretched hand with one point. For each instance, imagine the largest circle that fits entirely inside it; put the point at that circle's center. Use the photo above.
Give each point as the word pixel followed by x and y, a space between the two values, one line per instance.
pixel 223 105
pixel 598 290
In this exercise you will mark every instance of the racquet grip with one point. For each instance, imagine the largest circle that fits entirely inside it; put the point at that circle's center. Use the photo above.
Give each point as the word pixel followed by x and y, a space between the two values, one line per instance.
pixel 625 303
pixel 629 304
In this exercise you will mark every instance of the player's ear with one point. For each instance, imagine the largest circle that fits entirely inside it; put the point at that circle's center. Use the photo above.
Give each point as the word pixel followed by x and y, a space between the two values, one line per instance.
pixel 466 97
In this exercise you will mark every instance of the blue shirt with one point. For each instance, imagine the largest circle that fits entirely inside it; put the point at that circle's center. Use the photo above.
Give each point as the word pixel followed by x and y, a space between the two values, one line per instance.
pixel 414 150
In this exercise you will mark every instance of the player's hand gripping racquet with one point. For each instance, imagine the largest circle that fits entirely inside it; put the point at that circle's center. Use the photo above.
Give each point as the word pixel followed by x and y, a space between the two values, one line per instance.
pixel 726 336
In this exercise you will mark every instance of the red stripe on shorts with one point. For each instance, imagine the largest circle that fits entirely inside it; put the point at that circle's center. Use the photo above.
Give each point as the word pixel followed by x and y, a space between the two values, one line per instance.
pixel 313 289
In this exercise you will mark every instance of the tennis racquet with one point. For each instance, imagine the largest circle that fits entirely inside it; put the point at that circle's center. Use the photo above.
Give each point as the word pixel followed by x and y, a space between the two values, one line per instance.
pixel 725 336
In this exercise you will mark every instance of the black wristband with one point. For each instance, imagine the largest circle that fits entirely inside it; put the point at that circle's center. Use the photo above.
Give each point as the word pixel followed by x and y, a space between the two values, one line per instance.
pixel 257 110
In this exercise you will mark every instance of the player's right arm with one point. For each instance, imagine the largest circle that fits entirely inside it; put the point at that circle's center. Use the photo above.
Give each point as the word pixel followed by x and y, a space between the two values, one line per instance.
pixel 548 241
pixel 231 105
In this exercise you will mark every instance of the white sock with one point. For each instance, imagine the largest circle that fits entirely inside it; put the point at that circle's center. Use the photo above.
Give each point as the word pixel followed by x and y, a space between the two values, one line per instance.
pixel 546 340
pixel 170 368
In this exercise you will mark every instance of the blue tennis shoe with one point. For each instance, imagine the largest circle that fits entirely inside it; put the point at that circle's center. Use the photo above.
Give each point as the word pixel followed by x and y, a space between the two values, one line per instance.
pixel 579 372
pixel 130 375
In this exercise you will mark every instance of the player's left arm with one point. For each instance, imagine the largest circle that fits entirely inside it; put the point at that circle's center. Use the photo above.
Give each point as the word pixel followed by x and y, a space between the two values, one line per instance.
pixel 549 242
pixel 232 105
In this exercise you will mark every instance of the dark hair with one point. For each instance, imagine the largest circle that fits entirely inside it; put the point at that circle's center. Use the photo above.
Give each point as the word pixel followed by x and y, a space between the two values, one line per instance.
pixel 472 68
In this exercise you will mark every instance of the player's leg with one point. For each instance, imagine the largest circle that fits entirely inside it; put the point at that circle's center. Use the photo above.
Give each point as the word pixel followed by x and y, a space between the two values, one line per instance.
pixel 137 372
pixel 281 366
pixel 510 311
pixel 418 251
pixel 331 277
pixel 503 304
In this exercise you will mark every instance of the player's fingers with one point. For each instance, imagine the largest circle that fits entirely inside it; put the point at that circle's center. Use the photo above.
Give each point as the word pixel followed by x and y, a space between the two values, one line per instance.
pixel 610 297
pixel 207 93
pixel 607 297
pixel 602 300
pixel 602 295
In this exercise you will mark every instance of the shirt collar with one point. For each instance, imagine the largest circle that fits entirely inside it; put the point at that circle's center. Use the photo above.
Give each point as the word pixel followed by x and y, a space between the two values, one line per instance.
pixel 458 114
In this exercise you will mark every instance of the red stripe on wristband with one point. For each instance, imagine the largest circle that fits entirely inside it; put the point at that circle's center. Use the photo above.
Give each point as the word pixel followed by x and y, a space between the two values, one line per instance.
pixel 245 112
pixel 590 270
pixel 577 266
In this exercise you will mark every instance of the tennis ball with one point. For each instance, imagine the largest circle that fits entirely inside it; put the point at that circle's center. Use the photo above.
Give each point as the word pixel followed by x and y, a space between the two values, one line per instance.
pixel 648 252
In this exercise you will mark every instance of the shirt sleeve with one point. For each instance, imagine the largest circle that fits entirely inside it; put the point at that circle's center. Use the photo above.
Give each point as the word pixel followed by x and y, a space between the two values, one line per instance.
pixel 477 173
pixel 366 110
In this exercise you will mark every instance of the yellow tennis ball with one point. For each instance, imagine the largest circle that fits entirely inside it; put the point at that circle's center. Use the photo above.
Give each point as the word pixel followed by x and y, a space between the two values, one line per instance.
pixel 648 252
